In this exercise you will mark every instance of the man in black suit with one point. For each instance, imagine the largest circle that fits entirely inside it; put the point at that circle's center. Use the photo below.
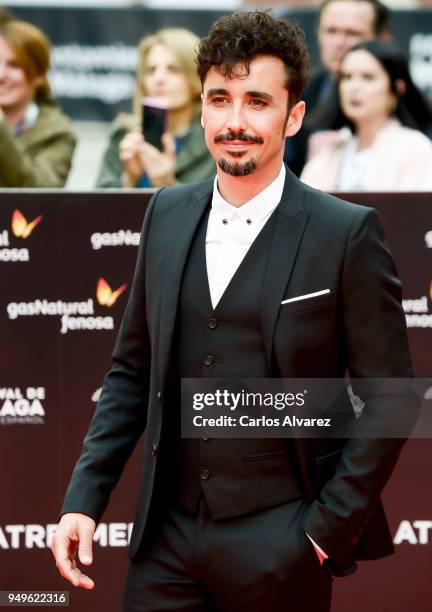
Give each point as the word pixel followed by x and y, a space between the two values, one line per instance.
pixel 253 275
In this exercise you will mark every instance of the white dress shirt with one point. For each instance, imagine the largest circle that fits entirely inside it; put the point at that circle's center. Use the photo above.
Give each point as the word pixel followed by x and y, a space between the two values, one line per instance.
pixel 231 232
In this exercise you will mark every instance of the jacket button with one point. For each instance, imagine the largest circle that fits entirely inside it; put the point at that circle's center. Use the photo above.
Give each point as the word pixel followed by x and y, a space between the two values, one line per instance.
pixel 212 323
pixel 205 475
pixel 154 449
pixel 208 360
pixel 159 396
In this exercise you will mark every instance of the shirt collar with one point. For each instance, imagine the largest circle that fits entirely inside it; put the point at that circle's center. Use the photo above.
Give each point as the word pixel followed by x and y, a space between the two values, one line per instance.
pixel 29 119
pixel 257 208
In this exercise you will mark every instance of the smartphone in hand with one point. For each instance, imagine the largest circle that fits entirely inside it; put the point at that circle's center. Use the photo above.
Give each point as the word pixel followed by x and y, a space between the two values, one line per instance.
pixel 154 119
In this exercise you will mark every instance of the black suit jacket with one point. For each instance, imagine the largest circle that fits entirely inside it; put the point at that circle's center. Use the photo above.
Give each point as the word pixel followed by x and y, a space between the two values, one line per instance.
pixel 319 242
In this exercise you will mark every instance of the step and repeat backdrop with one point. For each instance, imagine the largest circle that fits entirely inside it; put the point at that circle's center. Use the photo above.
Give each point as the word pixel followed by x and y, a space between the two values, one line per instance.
pixel 66 262
pixel 94 49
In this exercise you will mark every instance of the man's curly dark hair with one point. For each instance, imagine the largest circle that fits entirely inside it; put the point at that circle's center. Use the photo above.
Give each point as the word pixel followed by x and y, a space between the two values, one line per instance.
pixel 241 37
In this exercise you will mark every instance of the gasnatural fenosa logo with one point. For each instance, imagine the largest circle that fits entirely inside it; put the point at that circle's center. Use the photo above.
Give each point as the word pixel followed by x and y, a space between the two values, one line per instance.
pixel 74 316
pixel 21 228
pixel 105 295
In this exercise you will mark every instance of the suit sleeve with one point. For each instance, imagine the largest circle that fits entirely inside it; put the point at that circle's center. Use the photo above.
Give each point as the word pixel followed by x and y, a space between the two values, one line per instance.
pixel 376 346
pixel 121 413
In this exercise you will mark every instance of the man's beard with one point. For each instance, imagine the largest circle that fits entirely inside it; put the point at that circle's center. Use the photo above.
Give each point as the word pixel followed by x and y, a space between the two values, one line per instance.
pixel 237 168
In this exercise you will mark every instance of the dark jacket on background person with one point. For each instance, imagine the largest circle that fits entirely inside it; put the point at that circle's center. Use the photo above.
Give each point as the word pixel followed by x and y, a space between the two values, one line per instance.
pixel 321 88
pixel 40 156
pixel 193 161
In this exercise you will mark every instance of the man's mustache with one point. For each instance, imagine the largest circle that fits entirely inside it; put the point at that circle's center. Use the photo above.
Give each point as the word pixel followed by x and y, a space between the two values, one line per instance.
pixel 238 136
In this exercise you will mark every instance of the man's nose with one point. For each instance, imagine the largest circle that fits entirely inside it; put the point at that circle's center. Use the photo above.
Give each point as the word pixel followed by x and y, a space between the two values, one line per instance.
pixel 236 120
pixel 342 42
pixel 340 37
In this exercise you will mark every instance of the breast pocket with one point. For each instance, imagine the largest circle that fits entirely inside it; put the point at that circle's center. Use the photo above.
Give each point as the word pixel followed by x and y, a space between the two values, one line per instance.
pixel 308 303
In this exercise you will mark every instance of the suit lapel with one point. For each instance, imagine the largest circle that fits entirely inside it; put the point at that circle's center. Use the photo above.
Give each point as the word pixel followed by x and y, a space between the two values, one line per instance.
pixel 183 230
pixel 288 229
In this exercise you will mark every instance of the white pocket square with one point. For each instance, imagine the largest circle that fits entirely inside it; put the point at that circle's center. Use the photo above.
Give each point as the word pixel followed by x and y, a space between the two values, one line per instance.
pixel 306 296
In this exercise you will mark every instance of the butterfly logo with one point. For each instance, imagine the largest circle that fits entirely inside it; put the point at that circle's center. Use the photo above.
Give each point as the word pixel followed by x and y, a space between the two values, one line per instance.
pixel 105 295
pixel 21 228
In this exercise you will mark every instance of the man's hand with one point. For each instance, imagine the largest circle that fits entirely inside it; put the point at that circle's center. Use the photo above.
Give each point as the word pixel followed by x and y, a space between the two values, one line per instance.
pixel 75 532
pixel 139 157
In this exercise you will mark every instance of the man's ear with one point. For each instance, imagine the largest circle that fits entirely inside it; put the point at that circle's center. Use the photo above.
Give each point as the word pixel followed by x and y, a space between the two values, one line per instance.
pixel 202 120
pixel 295 119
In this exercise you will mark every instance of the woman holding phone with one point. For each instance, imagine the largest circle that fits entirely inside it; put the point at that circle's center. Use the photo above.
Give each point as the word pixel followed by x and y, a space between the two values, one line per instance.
pixel 167 76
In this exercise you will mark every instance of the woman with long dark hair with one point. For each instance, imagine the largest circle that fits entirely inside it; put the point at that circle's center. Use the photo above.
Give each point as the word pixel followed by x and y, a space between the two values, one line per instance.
pixel 383 145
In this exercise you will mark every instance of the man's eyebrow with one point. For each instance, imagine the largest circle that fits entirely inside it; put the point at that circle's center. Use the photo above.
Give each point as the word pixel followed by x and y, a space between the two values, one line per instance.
pixel 217 91
pixel 220 91
pixel 260 94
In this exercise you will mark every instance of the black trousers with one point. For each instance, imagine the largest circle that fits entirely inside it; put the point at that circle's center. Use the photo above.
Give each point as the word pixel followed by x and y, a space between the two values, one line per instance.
pixel 261 562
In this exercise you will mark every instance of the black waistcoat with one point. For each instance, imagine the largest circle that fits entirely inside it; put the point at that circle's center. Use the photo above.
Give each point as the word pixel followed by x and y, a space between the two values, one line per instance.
pixel 236 476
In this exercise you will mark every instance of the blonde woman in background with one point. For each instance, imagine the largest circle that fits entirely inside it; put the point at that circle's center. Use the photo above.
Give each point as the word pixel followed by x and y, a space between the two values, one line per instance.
pixel 167 73
pixel 36 138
